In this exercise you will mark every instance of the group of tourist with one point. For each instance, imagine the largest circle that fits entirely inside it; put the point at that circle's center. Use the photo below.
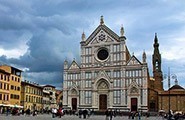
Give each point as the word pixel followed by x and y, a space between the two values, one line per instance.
pixel 57 112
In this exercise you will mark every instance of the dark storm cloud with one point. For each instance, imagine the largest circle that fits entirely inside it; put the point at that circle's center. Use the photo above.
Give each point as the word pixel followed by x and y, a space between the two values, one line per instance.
pixel 51 30
pixel 52 38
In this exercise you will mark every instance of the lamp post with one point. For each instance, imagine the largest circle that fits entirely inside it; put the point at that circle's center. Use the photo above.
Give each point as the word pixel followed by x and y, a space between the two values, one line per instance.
pixel 169 117
pixel 169 79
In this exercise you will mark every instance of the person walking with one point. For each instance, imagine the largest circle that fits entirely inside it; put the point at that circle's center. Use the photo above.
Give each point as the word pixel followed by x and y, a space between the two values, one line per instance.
pixel 7 111
pixel 106 115
pixel 111 114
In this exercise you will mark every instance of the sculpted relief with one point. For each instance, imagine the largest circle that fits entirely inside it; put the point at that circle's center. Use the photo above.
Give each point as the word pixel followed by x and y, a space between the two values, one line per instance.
pixel 103 85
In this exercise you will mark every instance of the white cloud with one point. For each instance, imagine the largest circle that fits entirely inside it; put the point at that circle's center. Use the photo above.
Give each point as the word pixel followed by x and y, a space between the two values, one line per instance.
pixel 14 53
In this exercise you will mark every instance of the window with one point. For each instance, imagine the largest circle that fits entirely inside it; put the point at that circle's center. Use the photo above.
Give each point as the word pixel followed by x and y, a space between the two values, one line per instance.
pixel 117 83
pixel 116 54
pixel 4 97
pixel 26 98
pixel 7 87
pixel 87 51
pixel 88 83
pixel 1 77
pixel 69 83
pixel 102 54
pixel 88 75
pixel 117 97
pixel 0 96
pixel 125 96
pixel 88 97
pixel 11 96
pixel 117 74
pixel 4 86
pixel 7 97
pixel 18 88
pixel 1 85
pixel 116 48
pixel 141 96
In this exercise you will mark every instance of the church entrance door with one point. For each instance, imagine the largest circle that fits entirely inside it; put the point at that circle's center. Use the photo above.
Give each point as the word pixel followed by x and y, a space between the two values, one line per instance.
pixel 74 103
pixel 103 102
pixel 133 104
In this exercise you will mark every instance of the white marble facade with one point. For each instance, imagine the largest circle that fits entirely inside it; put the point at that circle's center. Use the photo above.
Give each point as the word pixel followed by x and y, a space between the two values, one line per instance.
pixel 107 76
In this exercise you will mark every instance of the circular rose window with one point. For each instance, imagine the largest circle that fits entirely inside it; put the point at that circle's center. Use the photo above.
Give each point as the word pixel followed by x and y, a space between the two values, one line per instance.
pixel 103 54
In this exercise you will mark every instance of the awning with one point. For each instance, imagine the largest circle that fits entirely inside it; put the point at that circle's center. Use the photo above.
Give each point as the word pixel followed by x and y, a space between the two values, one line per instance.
pixel 9 105
pixel 1 104
pixel 18 106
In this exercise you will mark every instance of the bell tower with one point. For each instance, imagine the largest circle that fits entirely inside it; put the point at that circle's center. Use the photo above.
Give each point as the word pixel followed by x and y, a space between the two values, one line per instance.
pixel 157 73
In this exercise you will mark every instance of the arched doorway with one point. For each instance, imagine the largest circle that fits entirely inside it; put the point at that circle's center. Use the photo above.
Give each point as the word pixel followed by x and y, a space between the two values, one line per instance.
pixel 103 94
pixel 74 99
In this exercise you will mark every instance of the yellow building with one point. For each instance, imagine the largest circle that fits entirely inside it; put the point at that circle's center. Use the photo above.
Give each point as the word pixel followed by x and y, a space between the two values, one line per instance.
pixel 31 96
pixel 11 85
pixel 4 88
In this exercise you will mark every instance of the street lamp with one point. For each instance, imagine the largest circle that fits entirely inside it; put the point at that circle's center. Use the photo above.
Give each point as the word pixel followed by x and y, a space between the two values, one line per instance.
pixel 173 76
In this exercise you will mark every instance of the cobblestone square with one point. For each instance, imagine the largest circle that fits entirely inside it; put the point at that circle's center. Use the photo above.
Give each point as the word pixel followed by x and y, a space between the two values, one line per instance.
pixel 68 117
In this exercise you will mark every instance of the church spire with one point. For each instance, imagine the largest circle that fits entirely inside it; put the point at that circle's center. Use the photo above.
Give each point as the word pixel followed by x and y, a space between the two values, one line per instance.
pixel 156 60
pixel 83 36
pixel 144 57
pixel 156 56
pixel 101 20
pixel 156 44
pixel 65 64
pixel 122 31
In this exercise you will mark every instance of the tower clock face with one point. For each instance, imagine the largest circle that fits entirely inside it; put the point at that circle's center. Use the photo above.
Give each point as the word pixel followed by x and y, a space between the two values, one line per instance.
pixel 102 54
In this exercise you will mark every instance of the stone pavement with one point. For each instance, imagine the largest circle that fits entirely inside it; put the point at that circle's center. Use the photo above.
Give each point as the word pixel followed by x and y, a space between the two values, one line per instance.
pixel 68 117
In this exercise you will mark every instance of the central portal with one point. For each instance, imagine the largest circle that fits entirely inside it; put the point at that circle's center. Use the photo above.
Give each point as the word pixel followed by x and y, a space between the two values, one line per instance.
pixel 74 103
pixel 102 102
pixel 133 104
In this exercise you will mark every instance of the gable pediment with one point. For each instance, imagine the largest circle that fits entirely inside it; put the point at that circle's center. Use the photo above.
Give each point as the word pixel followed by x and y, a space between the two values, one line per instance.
pixel 102 34
pixel 102 37
pixel 74 65
pixel 103 74
pixel 133 61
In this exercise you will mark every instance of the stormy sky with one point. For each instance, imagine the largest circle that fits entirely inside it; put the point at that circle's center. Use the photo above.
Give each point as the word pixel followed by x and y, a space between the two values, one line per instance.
pixel 36 36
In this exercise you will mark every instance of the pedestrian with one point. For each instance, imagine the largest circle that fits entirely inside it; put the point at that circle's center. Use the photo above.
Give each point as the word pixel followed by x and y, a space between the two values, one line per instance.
pixel 110 114
pixel 147 115
pixel 84 113
pixel 88 113
pixel 80 113
pixel 60 112
pixel 130 114
pixel 106 115
pixel 7 111
pixel 139 115
pixel 133 115
pixel 54 111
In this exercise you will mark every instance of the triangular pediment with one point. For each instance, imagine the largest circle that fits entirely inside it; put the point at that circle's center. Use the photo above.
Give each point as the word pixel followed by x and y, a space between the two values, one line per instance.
pixel 74 65
pixel 102 34
pixel 102 74
pixel 133 61
pixel 133 87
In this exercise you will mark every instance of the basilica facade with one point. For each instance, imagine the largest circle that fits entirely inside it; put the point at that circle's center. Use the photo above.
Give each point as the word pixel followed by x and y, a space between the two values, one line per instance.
pixel 108 76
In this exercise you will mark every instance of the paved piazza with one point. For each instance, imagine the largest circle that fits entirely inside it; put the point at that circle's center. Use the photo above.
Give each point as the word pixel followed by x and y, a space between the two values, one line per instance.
pixel 68 117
